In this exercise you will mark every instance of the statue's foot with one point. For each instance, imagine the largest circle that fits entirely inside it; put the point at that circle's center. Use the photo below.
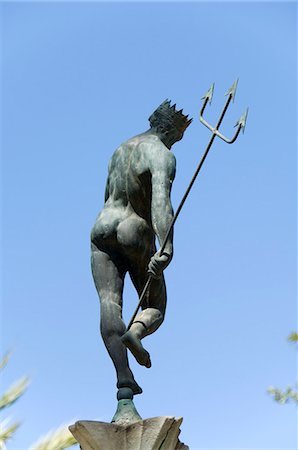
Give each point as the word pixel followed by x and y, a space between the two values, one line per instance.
pixel 129 382
pixel 135 346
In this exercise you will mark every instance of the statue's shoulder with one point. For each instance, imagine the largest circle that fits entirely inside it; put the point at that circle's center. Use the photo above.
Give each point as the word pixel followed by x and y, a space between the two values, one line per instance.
pixel 154 146
pixel 157 156
pixel 148 151
pixel 142 141
pixel 141 144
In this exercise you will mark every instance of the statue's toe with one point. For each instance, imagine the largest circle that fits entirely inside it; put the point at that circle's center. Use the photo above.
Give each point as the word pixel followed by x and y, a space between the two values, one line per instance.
pixel 148 362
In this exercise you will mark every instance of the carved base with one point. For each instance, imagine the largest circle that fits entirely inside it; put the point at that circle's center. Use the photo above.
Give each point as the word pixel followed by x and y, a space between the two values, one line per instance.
pixel 158 433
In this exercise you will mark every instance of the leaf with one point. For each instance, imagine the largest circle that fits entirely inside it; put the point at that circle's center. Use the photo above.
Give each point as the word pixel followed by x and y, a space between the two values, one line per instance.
pixel 56 440
pixel 7 432
pixel 14 392
pixel 283 397
pixel 5 360
pixel 293 337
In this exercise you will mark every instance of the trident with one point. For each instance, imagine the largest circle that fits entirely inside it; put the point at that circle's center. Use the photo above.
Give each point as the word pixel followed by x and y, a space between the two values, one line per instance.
pixel 240 124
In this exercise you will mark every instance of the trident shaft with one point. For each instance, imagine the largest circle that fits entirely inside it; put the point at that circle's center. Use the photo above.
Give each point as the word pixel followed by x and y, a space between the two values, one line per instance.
pixel 240 124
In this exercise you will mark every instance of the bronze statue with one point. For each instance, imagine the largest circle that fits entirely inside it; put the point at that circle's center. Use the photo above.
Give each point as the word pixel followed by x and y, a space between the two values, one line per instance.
pixel 137 209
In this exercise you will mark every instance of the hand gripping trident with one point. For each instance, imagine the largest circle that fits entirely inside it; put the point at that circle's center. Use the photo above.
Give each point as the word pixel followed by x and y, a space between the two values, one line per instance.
pixel 240 124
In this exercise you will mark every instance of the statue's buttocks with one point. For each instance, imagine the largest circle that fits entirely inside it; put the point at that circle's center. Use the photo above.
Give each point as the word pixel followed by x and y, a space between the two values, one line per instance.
pixel 121 226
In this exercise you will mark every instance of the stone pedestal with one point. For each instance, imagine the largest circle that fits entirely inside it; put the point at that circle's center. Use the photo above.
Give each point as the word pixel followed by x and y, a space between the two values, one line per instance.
pixel 158 433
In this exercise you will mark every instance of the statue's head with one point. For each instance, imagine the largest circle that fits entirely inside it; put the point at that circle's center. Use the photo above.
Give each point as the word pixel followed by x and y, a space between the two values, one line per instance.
pixel 169 123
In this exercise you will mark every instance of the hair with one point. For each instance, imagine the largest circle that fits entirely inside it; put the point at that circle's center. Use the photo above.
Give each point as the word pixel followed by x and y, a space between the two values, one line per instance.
pixel 166 117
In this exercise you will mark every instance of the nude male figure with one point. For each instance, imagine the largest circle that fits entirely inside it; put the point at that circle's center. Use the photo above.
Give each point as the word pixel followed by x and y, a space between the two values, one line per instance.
pixel 137 209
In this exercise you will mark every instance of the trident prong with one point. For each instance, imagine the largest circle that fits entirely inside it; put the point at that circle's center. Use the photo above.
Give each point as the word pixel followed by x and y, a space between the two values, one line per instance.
pixel 209 94
pixel 241 126
pixel 240 123
pixel 207 99
pixel 232 90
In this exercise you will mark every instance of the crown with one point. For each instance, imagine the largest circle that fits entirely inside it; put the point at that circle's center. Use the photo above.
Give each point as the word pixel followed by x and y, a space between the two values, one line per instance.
pixel 166 116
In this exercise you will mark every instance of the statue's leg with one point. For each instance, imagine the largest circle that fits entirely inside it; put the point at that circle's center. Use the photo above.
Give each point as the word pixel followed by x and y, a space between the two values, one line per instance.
pixel 151 316
pixel 153 311
pixel 108 272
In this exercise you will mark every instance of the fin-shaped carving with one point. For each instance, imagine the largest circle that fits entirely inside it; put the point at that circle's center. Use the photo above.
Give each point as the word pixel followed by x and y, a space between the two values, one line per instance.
pixel 157 433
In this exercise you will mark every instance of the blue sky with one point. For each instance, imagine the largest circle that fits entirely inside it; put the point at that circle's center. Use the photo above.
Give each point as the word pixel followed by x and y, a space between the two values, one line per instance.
pixel 77 80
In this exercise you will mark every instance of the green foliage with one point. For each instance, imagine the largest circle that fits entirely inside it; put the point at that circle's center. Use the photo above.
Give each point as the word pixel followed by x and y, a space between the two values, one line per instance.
pixel 285 396
pixel 5 360
pixel 59 439
pixel 6 431
pixel 293 337
pixel 14 392
pixel 8 398
pixel 55 440
pixel 289 394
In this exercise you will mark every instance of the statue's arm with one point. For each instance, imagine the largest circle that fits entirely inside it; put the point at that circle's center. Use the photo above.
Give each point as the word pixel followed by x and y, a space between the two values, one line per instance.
pixel 163 169
pixel 107 190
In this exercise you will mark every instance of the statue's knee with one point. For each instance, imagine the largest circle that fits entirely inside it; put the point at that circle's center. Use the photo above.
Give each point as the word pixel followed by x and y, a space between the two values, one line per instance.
pixel 151 318
pixel 159 319
pixel 157 316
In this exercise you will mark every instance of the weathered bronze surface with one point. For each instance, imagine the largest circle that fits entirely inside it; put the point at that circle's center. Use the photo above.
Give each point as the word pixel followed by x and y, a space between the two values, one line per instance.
pixel 137 209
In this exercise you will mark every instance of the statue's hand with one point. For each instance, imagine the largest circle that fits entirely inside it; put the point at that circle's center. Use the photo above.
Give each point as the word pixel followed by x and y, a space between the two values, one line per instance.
pixel 158 264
